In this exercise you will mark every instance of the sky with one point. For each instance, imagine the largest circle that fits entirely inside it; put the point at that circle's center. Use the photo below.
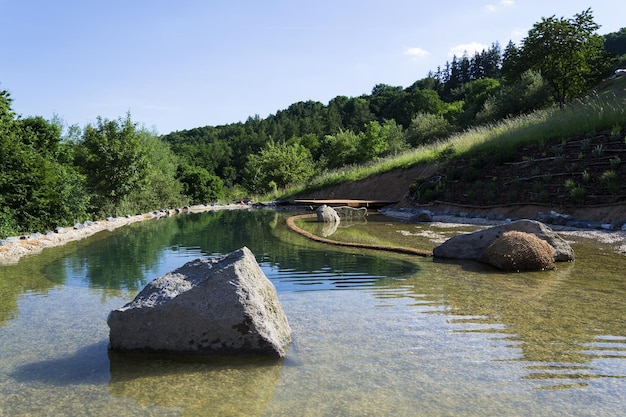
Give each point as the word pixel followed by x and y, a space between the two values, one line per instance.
pixel 181 64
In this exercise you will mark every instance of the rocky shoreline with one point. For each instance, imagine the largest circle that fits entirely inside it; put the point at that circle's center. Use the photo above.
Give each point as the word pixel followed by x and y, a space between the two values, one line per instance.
pixel 12 249
pixel 609 233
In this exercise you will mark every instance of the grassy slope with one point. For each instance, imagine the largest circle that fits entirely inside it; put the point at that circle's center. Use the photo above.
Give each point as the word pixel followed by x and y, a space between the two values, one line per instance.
pixel 490 165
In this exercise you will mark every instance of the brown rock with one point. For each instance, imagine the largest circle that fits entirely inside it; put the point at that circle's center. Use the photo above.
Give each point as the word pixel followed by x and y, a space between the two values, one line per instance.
pixel 519 251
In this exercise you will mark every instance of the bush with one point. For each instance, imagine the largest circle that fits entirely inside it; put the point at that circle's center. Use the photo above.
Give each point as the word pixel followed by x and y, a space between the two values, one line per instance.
pixel 427 128
pixel 8 224
pixel 529 93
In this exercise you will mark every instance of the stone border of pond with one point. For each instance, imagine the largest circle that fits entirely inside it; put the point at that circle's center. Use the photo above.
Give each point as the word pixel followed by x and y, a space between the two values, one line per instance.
pixel 609 233
pixel 12 249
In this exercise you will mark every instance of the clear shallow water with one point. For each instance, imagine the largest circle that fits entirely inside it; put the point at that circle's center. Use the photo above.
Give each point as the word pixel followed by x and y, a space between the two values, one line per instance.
pixel 374 334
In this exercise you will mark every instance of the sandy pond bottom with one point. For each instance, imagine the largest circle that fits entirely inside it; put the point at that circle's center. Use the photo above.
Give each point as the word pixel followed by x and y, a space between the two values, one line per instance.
pixel 355 353
pixel 443 339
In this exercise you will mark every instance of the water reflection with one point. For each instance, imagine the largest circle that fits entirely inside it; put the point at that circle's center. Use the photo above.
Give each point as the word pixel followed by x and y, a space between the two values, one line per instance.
pixel 554 318
pixel 131 258
pixel 375 333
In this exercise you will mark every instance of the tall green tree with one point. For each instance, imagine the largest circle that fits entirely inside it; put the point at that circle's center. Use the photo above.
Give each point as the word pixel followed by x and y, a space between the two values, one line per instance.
pixel 615 43
pixel 37 190
pixel 278 166
pixel 529 93
pixel 426 128
pixel 568 53
pixel 162 187
pixel 199 185
pixel 113 157
pixel 339 149
pixel 511 62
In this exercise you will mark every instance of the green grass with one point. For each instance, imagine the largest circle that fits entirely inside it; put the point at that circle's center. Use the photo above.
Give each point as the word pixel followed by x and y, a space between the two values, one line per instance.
pixel 602 109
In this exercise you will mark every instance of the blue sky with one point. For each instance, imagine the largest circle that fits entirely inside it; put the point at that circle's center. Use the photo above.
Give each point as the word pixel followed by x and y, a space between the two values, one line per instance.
pixel 188 63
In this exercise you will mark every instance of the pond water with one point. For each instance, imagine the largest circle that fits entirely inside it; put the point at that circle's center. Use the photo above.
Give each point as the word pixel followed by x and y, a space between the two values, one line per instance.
pixel 374 334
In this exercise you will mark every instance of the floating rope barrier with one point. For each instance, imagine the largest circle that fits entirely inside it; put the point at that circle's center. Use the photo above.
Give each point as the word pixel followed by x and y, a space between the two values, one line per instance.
pixel 291 223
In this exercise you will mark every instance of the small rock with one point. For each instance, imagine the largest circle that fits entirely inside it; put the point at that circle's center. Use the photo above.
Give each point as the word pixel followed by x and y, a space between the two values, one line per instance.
pixel 422 216
pixel 327 214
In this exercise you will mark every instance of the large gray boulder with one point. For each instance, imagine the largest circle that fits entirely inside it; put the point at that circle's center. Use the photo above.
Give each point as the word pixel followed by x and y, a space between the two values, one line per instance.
pixel 206 307
pixel 473 245
pixel 327 214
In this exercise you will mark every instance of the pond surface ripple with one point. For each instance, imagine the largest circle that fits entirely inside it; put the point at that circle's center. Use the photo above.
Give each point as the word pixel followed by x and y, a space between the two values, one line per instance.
pixel 374 334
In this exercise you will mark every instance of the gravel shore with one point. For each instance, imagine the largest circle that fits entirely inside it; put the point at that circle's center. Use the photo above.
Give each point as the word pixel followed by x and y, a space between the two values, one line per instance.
pixel 12 249
pixel 617 238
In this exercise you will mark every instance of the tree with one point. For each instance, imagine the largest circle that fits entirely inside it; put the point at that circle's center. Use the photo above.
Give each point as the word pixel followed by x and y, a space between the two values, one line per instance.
pixel 372 142
pixel 356 114
pixel 37 191
pixel 395 137
pixel 113 157
pixel 382 96
pixel 339 149
pixel 162 187
pixel 615 43
pixel 473 95
pixel 567 52
pixel 411 102
pixel 511 65
pixel 200 185
pixel 427 128
pixel 529 93
pixel 279 165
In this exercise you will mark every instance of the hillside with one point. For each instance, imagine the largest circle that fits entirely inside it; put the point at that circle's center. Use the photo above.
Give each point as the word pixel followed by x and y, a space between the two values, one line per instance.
pixel 583 175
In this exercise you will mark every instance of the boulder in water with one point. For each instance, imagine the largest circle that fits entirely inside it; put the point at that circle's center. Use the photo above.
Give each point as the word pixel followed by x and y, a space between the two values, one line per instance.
pixel 206 307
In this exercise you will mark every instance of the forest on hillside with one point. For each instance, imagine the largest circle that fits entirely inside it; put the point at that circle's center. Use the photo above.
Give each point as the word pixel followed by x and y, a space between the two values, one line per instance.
pixel 54 175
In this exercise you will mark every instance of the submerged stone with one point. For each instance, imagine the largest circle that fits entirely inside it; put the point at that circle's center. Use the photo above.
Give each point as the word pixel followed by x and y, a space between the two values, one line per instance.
pixel 220 306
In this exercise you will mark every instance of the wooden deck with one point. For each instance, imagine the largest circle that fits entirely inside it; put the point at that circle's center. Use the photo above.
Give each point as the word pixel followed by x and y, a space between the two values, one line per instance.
pixel 350 203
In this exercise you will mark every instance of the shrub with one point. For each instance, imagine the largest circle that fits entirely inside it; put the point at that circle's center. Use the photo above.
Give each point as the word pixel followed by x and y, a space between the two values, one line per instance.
pixel 427 128
pixel 511 196
pixel 615 161
pixel 8 224
pixel 585 145
pixel 598 151
pixel 616 133
pixel 586 176
pixel 530 92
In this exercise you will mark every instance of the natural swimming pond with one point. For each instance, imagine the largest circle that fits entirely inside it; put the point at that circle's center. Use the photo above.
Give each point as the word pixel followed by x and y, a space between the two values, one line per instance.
pixel 374 334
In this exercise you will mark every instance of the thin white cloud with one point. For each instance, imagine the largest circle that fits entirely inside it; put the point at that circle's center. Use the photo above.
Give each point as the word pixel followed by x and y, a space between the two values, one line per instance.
pixel 416 53
pixel 469 48
pixel 492 8
pixel 518 34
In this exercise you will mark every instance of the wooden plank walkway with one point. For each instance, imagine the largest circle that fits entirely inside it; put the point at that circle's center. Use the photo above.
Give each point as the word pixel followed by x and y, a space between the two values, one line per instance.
pixel 346 202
